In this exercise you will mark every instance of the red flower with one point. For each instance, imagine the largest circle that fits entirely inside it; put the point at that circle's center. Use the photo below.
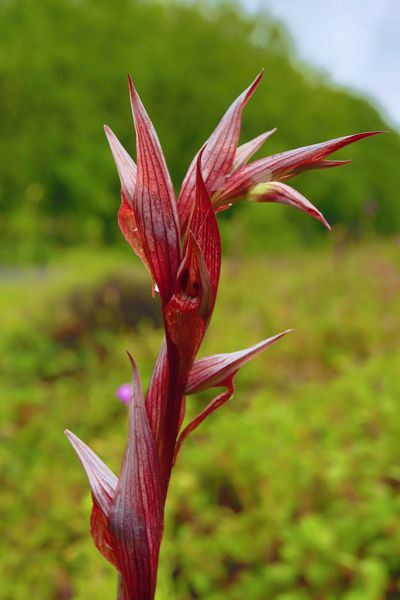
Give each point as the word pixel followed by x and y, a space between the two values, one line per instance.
pixel 127 515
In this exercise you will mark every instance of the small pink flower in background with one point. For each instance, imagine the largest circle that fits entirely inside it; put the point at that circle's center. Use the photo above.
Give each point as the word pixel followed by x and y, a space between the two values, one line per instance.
pixel 178 241
pixel 124 393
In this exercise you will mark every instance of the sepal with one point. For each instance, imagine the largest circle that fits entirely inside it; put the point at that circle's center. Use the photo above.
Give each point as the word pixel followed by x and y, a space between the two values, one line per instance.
pixel 219 154
pixel 154 203
pixel 125 165
pixel 247 150
pixel 102 480
pixel 276 191
pixel 282 166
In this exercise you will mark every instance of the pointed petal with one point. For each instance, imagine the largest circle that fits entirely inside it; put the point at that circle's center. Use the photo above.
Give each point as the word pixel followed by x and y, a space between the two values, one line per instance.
pixel 125 165
pixel 282 166
pixel 102 481
pixel 204 227
pixel 136 517
pixel 129 229
pixel 218 155
pixel 216 403
pixel 213 371
pixel 246 151
pixel 276 191
pixel 154 203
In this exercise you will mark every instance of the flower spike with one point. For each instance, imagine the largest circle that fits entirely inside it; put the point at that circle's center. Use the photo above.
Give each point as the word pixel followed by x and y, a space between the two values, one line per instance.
pixel 219 154
pixel 154 203
pixel 127 514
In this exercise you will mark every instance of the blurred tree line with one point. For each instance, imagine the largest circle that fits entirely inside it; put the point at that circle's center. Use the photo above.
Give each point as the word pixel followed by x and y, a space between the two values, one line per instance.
pixel 63 66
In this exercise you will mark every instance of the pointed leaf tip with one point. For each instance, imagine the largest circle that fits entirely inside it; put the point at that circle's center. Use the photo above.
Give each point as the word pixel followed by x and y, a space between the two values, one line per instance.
pixel 212 371
pixel 102 481
pixel 126 167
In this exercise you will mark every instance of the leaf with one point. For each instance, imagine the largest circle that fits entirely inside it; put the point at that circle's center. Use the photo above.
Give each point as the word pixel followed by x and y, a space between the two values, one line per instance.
pixel 154 203
pixel 212 371
pixel 219 155
pixel 125 165
pixel 218 371
pixel 102 481
pixel 103 484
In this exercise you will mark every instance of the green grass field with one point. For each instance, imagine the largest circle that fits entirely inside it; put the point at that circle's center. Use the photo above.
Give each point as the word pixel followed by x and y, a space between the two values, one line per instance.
pixel 290 492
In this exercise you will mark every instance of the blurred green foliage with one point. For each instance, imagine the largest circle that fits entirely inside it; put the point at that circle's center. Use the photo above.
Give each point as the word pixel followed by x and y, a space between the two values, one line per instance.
pixel 290 492
pixel 63 67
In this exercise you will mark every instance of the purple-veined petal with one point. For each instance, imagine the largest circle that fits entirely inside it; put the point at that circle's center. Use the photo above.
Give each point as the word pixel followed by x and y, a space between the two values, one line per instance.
pixel 218 157
pixel 128 226
pixel 102 481
pixel 276 191
pixel 187 313
pixel 154 203
pixel 136 517
pixel 282 166
pixel 246 151
pixel 204 227
pixel 212 371
pixel 125 165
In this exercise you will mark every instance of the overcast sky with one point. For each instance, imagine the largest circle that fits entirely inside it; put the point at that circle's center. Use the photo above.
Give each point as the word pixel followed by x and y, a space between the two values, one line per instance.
pixel 356 41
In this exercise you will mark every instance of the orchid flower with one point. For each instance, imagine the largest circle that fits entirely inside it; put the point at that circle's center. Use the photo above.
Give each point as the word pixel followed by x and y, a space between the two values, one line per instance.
pixel 179 243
